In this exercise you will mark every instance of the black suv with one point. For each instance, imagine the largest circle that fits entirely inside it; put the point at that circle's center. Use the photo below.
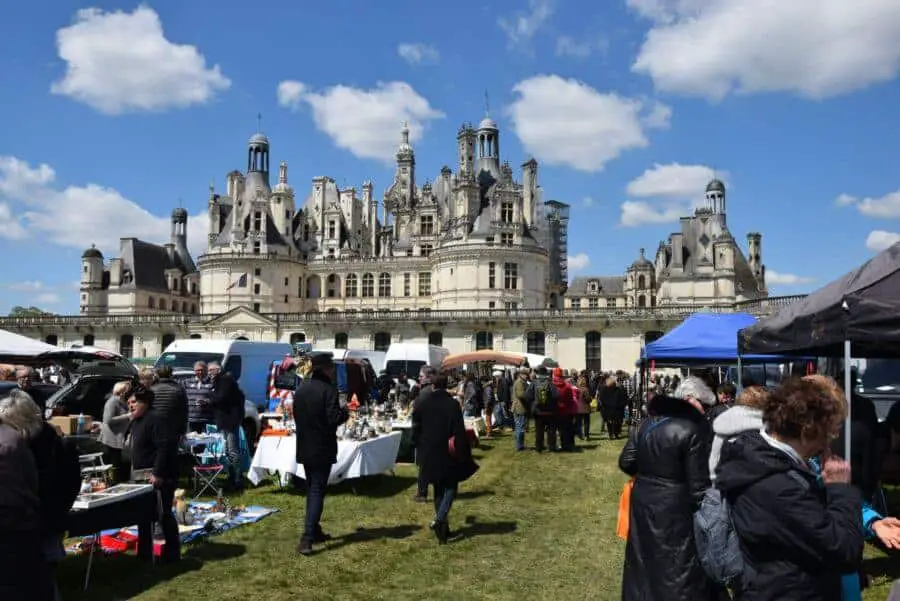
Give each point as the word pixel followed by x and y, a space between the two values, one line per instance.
pixel 88 391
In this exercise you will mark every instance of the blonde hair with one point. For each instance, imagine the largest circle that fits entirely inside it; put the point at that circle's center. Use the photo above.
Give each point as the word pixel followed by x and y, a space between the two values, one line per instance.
pixel 21 413
pixel 753 396
pixel 122 388
pixel 829 386
pixel 147 376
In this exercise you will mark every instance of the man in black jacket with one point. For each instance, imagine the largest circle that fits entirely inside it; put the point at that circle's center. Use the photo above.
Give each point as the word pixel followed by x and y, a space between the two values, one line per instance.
pixel 153 446
pixel 422 390
pixel 317 413
pixel 227 402
pixel 170 400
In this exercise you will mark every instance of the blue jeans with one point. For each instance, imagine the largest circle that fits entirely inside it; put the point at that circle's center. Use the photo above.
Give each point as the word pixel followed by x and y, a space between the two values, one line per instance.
pixel 316 481
pixel 519 422
pixel 444 494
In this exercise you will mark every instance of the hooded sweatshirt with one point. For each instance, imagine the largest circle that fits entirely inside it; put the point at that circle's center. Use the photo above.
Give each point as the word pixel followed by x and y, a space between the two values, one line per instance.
pixel 732 422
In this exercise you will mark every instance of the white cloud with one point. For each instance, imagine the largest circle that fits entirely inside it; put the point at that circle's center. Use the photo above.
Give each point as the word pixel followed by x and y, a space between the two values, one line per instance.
pixel 121 62
pixel 417 54
pixel 641 212
pixel 27 286
pixel 40 202
pixel 674 190
pixel 786 279
pixel 674 181
pixel 572 47
pixel 567 122
pixel 12 228
pixel 365 122
pixel 813 48
pixel 48 298
pixel 521 28
pixel 887 206
pixel 878 240
pixel 578 262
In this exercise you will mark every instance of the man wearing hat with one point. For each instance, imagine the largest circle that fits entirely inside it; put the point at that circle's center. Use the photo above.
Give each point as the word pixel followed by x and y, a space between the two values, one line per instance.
pixel 317 413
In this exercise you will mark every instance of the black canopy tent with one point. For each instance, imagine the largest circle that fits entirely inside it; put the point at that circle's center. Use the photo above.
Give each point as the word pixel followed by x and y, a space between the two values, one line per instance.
pixel 862 307
pixel 857 315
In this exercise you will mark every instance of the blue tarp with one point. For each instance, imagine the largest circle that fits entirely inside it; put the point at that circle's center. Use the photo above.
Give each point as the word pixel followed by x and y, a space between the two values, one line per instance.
pixel 709 337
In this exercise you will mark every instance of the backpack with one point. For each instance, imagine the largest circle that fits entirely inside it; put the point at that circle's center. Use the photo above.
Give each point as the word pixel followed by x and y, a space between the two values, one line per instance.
pixel 543 397
pixel 718 544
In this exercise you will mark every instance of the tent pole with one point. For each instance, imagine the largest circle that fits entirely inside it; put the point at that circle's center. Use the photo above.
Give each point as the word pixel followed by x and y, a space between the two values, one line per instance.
pixel 740 376
pixel 848 392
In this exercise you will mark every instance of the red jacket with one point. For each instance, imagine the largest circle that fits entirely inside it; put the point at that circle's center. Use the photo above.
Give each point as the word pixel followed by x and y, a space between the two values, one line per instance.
pixel 568 394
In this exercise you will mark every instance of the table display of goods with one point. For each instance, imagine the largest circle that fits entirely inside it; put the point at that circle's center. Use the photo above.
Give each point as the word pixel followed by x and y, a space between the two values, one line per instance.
pixel 113 494
pixel 360 429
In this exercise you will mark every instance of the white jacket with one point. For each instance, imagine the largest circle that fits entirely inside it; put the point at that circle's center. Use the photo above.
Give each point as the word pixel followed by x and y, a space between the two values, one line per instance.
pixel 732 422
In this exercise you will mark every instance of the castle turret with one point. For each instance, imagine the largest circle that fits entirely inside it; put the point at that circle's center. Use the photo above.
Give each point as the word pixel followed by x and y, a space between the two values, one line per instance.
pixel 92 296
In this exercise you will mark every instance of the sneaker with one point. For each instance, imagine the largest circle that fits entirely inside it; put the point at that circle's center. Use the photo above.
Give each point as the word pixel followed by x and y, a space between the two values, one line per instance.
pixel 305 548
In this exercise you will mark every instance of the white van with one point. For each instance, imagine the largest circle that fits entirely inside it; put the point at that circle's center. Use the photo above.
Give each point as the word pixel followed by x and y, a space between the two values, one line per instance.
pixel 248 362
pixel 375 358
pixel 410 357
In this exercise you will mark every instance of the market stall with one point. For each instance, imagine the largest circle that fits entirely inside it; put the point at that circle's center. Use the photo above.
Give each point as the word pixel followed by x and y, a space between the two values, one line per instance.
pixel 355 459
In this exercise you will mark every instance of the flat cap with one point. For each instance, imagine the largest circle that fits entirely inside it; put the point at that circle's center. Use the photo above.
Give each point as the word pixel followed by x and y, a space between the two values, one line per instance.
pixel 320 358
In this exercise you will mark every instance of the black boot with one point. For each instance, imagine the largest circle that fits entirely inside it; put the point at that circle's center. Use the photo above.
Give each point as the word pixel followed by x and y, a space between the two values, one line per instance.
pixel 441 531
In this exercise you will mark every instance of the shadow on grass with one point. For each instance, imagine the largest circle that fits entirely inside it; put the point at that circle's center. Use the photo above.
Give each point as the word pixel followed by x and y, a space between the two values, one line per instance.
pixel 588 447
pixel 887 566
pixel 475 494
pixel 376 487
pixel 475 528
pixel 363 535
pixel 107 583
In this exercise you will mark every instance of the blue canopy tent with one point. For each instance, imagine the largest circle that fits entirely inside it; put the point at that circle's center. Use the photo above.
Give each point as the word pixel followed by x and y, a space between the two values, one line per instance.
pixel 705 338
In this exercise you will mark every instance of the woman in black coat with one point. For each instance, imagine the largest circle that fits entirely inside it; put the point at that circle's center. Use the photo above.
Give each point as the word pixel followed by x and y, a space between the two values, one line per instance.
pixel 443 450
pixel 798 534
pixel 668 456
pixel 612 404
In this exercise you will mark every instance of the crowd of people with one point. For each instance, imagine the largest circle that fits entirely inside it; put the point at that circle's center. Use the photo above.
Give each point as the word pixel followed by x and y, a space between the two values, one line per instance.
pixel 800 513
pixel 142 426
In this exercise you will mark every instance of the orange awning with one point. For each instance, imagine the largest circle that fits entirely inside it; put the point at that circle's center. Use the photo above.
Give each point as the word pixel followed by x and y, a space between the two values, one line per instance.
pixel 482 356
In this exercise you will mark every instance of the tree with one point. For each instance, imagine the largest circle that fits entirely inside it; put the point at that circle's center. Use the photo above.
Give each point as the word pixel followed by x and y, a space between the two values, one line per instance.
pixel 20 311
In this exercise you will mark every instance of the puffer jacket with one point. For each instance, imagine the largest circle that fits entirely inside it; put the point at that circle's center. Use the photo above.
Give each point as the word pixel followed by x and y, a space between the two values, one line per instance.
pixel 668 458
pixel 797 537
pixel 170 402
pixel 734 421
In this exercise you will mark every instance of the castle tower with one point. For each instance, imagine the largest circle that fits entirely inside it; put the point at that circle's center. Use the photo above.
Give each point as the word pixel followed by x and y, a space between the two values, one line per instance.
pixel 488 146
pixel 754 257
pixel 465 141
pixel 282 203
pixel 406 170
pixel 529 185
pixel 92 296
pixel 715 197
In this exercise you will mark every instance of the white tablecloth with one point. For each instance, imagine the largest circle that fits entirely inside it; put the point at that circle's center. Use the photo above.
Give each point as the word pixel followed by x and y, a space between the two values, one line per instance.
pixel 476 424
pixel 354 459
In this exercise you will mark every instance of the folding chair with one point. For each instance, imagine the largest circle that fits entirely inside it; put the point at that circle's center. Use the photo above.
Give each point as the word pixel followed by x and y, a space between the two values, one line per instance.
pixel 208 467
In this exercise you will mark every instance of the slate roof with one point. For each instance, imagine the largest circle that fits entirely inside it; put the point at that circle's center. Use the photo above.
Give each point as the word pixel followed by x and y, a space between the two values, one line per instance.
pixel 148 264
pixel 609 285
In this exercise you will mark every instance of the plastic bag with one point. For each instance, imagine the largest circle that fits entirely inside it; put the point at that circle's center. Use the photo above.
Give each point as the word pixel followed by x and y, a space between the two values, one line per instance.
pixel 624 517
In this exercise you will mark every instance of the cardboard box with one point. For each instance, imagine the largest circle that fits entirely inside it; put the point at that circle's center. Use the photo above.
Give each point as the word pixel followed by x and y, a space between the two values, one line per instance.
pixel 68 424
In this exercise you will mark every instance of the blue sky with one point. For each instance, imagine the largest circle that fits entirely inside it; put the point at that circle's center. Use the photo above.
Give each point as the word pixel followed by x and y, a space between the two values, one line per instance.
pixel 113 116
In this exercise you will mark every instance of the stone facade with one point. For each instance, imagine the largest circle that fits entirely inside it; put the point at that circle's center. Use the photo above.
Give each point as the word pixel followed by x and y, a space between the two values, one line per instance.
pixel 471 259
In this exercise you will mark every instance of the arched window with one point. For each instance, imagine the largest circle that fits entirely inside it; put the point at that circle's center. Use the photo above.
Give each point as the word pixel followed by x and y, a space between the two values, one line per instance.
pixel 88 340
pixel 167 339
pixel 382 339
pixel 351 283
pixel 126 345
pixel 592 351
pixel 368 285
pixel 196 336
pixel 52 339
pixel 436 338
pixel 297 338
pixel 535 343
pixel 162 304
pixel 313 287
pixel 340 340
pixel 151 302
pixel 642 301
pixel 384 285
pixel 333 286
pixel 484 341
pixel 641 282
pixel 652 336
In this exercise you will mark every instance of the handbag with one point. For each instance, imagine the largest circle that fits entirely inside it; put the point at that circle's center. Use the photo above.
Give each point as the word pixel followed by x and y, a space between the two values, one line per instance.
pixel 594 404
pixel 624 517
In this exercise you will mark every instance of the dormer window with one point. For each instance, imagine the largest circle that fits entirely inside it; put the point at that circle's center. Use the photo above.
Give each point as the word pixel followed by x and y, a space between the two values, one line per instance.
pixel 593 287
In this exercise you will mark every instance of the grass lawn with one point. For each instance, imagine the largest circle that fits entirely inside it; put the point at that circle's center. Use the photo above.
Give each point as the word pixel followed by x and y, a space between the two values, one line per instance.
pixel 533 527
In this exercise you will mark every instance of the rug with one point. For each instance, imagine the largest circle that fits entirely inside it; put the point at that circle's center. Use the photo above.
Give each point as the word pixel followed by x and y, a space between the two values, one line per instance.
pixel 202 520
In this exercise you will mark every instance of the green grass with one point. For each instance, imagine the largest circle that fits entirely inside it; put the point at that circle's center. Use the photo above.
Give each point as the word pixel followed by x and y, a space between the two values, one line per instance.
pixel 534 527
